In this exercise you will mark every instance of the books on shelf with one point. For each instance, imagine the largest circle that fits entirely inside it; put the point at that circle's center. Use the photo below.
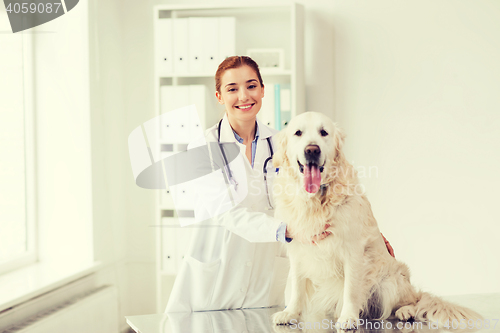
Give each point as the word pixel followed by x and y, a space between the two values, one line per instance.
pixel 163 41
pixel 276 107
pixel 285 105
pixel 193 45
pixel 266 113
pixel 184 126
pixel 175 242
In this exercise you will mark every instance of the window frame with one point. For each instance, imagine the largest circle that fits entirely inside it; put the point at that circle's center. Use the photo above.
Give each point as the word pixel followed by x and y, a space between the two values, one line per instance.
pixel 31 254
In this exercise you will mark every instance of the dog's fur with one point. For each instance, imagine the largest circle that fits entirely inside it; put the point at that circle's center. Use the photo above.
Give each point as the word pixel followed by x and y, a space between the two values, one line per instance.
pixel 350 273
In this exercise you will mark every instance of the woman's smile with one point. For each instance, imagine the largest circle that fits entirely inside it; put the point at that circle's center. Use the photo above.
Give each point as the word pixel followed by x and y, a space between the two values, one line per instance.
pixel 245 107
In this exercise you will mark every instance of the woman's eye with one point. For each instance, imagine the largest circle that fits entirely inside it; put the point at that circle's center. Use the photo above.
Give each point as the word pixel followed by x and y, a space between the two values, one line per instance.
pixel 324 133
pixel 298 133
pixel 232 89
pixel 252 86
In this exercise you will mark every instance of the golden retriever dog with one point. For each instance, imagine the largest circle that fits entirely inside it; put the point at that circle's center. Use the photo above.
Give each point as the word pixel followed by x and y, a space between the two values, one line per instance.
pixel 349 274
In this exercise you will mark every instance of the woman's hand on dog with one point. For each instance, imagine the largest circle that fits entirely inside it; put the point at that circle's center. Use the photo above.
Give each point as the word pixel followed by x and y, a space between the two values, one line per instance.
pixel 326 233
pixel 322 235
pixel 315 238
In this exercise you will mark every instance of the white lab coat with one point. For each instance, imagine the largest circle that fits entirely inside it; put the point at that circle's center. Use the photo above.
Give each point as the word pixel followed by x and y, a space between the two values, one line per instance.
pixel 235 261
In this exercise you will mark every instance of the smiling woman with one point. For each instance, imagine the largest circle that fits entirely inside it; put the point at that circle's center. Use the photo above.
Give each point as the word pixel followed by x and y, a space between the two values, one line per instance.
pixel 239 263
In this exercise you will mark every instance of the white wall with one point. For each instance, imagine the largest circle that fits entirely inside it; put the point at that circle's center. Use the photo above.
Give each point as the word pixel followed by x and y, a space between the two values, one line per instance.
pixel 122 211
pixel 412 83
pixel 63 152
pixel 416 90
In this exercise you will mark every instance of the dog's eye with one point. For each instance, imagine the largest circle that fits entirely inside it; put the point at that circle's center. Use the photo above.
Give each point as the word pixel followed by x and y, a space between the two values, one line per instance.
pixel 298 133
pixel 323 132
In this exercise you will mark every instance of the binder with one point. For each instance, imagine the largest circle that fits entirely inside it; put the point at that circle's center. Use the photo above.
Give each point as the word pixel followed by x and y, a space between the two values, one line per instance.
pixel 227 37
pixel 266 113
pixel 277 106
pixel 182 194
pixel 167 121
pixel 181 46
pixel 183 240
pixel 181 103
pixel 196 25
pixel 286 104
pixel 211 44
pixel 168 245
pixel 166 199
pixel 164 48
pixel 197 97
pixel 285 118
pixel 184 124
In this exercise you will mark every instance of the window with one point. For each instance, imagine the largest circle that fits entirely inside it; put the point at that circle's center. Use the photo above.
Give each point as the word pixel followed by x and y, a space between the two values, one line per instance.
pixel 17 227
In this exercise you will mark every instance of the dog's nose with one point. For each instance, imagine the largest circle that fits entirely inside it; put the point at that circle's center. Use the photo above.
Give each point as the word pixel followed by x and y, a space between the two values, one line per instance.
pixel 312 152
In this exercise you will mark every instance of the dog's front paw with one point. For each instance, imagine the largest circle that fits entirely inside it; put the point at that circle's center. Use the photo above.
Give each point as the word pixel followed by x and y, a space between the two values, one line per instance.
pixel 346 323
pixel 285 318
pixel 406 312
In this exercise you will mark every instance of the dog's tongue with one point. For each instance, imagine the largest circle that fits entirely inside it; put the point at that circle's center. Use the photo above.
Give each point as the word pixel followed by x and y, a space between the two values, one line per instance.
pixel 312 178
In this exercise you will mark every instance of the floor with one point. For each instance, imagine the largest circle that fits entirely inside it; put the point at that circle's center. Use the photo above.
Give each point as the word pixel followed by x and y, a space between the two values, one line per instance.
pixel 258 320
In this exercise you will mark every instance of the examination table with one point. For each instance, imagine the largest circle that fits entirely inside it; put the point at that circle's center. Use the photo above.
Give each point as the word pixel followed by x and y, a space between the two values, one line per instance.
pixel 259 320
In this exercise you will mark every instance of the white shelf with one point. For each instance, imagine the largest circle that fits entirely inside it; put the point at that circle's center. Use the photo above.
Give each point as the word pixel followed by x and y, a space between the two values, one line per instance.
pixel 232 5
pixel 264 72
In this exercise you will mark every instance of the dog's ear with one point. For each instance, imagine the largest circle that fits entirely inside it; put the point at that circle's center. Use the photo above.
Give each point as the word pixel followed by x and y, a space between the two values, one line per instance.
pixel 280 143
pixel 339 138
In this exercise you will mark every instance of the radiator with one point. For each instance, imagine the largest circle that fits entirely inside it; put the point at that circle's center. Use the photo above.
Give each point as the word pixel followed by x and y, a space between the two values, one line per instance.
pixel 93 311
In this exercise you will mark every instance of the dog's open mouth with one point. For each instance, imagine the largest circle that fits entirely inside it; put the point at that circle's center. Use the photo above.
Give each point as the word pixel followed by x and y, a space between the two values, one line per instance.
pixel 312 176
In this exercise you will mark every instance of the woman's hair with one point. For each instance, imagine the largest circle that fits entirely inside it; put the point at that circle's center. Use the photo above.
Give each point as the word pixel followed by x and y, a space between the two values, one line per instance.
pixel 235 62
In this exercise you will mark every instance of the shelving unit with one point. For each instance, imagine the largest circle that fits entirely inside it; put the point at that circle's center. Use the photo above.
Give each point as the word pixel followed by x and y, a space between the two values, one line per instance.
pixel 257 26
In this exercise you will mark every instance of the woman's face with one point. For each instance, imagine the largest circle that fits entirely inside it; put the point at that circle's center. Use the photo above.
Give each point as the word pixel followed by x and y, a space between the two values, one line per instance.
pixel 241 93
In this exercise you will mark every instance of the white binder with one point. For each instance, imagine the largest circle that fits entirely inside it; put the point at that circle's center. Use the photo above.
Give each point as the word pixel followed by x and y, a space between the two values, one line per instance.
pixel 182 125
pixel 183 240
pixel 169 245
pixel 227 39
pixel 197 96
pixel 286 104
pixel 163 41
pixel 266 113
pixel 211 44
pixel 196 26
pixel 179 126
pixel 166 199
pixel 167 121
pixel 182 195
pixel 181 46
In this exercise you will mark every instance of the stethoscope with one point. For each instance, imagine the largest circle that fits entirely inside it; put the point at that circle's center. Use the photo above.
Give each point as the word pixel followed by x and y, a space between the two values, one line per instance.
pixel 230 174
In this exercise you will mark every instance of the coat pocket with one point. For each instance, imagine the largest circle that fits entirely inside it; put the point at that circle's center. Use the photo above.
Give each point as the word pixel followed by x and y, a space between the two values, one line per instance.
pixel 203 278
pixel 280 275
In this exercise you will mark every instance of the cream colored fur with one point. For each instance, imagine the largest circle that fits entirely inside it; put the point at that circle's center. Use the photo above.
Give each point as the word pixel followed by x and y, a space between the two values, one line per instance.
pixel 349 274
